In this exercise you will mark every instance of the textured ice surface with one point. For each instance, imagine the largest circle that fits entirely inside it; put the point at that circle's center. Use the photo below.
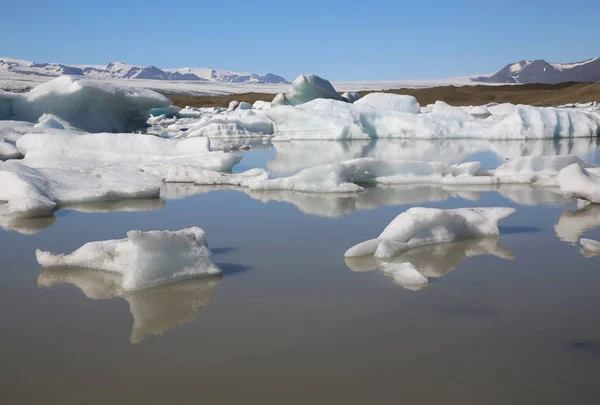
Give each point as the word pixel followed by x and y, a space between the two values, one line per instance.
pixel 174 160
pixel 419 227
pixel 31 192
pixel 154 310
pixel 306 88
pixel 143 259
pixel 332 119
pixel 576 181
pixel 86 104
pixel 237 124
pixel 389 101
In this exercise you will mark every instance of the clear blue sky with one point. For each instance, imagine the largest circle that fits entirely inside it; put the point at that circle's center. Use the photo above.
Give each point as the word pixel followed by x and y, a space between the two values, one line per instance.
pixel 339 40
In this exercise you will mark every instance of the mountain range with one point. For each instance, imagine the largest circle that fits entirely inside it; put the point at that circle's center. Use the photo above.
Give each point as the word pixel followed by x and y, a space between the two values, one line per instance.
pixel 119 70
pixel 540 71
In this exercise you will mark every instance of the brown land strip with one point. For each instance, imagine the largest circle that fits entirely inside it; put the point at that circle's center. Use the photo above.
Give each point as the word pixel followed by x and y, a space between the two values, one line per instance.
pixel 533 94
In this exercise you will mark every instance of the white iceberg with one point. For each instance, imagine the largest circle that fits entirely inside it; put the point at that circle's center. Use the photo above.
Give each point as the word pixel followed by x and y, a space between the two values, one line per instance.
pixel 93 106
pixel 419 227
pixel 31 192
pixel 351 97
pixel 238 124
pixel 143 259
pixel 389 101
pixel 306 88
pixel 162 156
pixel 576 181
pixel 335 120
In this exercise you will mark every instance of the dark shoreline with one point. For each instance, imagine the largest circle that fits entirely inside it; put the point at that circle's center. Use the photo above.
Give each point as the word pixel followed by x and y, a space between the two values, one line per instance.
pixel 532 94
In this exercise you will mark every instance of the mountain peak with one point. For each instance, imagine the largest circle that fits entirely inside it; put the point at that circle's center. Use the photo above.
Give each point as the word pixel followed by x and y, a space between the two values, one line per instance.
pixel 540 71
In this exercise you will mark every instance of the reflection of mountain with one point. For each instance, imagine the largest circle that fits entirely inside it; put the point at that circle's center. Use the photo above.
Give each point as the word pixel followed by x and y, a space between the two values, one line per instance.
pixel 435 260
pixel 155 310
pixel 572 224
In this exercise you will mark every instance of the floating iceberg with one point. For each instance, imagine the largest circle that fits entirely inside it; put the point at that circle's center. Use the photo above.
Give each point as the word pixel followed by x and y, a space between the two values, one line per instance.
pixel 336 120
pixel 31 192
pixel 419 227
pixel 238 124
pixel 143 259
pixel 575 181
pixel 306 88
pixel 154 310
pixel 389 101
pixel 93 106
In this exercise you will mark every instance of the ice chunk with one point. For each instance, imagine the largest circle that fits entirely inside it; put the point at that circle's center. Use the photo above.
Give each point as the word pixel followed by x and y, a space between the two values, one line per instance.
pixel 333 120
pixel 233 105
pixel 590 247
pixel 389 101
pixel 306 88
pixel 530 169
pixel 143 259
pixel 30 192
pixel 154 310
pixel 419 226
pixel 480 112
pixel 238 124
pixel 577 182
pixel 245 106
pixel 350 97
pixel 134 150
pixel 93 106
pixel 279 99
pixel 52 121
pixel 261 105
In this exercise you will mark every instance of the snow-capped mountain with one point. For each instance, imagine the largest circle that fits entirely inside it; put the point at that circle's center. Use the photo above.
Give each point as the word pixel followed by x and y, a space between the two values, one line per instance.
pixel 540 71
pixel 225 76
pixel 119 70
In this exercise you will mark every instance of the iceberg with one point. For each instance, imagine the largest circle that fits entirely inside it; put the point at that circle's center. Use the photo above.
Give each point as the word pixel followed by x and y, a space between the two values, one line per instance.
pixel 306 88
pixel 389 101
pixel 350 97
pixel 576 181
pixel 31 192
pixel 322 119
pixel 418 227
pixel 143 259
pixel 93 106
pixel 154 310
pixel 238 124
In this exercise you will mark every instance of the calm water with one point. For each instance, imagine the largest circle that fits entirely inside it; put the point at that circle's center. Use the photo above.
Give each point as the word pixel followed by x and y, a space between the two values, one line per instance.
pixel 512 320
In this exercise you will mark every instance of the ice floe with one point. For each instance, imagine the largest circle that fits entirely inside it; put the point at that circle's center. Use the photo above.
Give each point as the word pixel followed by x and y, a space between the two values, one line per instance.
pixel 143 259
pixel 93 106
pixel 419 227
pixel 306 88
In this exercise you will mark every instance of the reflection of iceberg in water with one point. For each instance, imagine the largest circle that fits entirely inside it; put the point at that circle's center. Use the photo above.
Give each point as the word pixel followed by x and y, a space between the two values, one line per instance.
pixel 154 310
pixel 590 248
pixel 572 224
pixel 296 155
pixel 334 205
pixel 434 261
pixel 33 225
